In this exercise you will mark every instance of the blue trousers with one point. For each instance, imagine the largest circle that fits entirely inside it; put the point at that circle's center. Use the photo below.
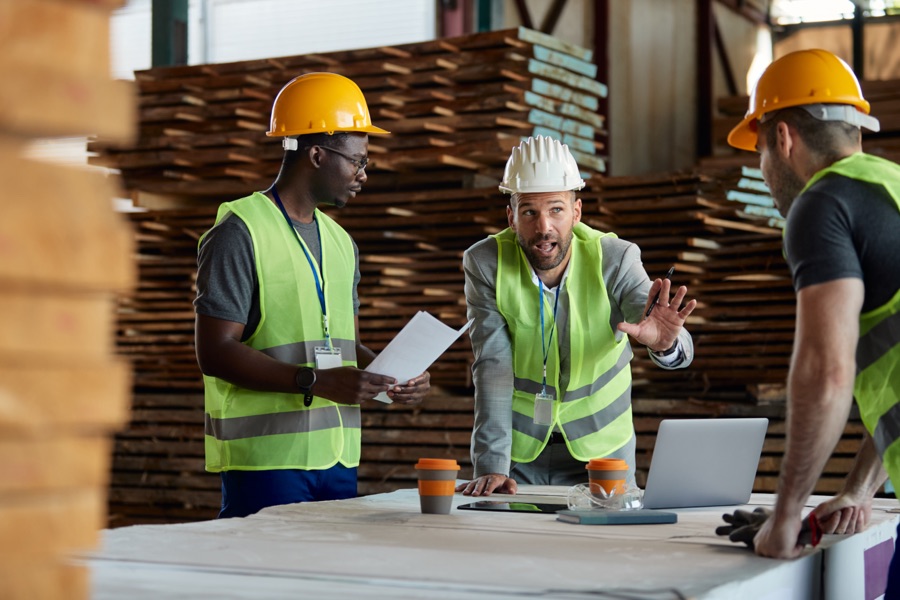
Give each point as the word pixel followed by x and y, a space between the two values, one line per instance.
pixel 247 492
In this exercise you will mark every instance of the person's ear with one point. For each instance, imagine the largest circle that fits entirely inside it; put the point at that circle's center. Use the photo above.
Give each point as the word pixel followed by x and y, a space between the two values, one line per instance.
pixel 577 209
pixel 314 155
pixel 511 217
pixel 784 139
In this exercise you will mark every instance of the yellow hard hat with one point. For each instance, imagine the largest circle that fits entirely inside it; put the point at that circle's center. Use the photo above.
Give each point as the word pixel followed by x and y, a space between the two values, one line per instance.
pixel 800 78
pixel 320 103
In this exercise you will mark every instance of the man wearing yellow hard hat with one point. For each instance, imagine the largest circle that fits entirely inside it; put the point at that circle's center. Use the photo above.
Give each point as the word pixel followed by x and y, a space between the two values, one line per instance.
pixel 843 225
pixel 276 330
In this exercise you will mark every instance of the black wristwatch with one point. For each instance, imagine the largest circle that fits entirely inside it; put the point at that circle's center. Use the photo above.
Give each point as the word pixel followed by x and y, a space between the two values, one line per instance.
pixel 666 352
pixel 305 378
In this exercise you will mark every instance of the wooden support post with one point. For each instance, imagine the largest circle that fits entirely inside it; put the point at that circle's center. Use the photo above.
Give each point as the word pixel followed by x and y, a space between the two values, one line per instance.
pixel 705 35
pixel 859 43
pixel 601 59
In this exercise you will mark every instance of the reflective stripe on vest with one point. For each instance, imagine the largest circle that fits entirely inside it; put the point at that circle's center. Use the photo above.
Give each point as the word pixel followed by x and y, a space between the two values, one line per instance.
pixel 877 385
pixel 578 428
pixel 299 421
pixel 252 430
pixel 594 412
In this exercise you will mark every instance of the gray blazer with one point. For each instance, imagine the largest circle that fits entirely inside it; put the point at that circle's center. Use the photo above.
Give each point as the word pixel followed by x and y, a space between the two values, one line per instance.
pixel 627 285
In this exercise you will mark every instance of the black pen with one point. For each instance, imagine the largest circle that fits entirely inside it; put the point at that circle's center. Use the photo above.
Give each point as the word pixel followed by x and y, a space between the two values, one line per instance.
pixel 656 298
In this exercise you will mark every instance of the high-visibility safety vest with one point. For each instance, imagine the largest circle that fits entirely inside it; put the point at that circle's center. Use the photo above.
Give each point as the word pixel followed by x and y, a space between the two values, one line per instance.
pixel 594 411
pixel 877 385
pixel 253 431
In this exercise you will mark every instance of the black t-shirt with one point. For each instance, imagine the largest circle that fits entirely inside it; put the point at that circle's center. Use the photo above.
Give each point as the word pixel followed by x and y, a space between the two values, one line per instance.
pixel 227 286
pixel 842 227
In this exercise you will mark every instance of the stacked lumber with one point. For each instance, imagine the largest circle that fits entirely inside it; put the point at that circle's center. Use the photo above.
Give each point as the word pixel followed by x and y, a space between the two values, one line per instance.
pixel 723 236
pixel 455 108
pixel 883 95
pixel 155 322
pixel 65 255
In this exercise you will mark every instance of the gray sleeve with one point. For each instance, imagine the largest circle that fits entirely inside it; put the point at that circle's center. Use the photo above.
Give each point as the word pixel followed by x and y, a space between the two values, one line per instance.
pixel 226 272
pixel 492 370
pixel 628 286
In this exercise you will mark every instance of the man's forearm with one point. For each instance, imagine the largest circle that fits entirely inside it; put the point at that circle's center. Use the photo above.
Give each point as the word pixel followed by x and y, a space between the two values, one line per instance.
pixel 868 474
pixel 820 385
pixel 819 404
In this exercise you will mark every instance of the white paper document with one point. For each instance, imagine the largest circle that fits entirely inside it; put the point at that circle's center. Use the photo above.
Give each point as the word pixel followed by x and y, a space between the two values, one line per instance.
pixel 411 352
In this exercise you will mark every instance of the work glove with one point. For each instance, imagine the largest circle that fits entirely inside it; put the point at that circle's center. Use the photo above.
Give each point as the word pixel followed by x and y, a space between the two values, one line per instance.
pixel 743 526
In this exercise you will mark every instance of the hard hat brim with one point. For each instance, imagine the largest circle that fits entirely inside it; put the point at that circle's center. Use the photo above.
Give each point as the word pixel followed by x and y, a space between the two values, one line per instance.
pixel 744 136
pixel 371 130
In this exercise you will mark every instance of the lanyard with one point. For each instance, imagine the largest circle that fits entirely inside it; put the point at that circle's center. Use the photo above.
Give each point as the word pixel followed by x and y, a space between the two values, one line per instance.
pixel 320 292
pixel 545 347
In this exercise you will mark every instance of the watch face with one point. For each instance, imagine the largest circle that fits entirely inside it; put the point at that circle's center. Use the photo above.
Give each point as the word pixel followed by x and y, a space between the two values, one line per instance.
pixel 306 377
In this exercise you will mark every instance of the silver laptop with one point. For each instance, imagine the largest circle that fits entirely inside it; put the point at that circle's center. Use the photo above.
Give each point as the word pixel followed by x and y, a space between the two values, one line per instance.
pixel 704 462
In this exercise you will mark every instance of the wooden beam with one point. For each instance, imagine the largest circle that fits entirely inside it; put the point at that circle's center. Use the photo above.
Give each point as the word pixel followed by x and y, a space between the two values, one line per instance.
pixel 705 34
pixel 552 16
pixel 722 51
pixel 524 14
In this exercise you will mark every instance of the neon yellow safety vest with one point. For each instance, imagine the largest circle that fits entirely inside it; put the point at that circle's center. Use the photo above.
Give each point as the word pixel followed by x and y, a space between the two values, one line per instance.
pixel 877 385
pixel 253 431
pixel 594 411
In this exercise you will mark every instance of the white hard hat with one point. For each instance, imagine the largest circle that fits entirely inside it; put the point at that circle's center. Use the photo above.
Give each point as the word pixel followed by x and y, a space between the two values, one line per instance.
pixel 541 164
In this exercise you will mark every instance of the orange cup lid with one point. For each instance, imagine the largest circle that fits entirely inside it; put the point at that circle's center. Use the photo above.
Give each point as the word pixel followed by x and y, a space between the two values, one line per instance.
pixel 438 464
pixel 606 464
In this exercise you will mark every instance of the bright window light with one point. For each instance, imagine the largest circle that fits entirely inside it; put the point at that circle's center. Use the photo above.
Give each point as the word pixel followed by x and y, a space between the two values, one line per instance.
pixel 787 12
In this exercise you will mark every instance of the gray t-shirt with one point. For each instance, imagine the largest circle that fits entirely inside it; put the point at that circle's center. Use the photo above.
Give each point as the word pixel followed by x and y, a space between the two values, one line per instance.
pixel 227 286
pixel 842 227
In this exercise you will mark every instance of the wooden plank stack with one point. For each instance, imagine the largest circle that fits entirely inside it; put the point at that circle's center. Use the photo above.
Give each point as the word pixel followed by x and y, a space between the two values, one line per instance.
pixel 725 244
pixel 883 95
pixel 64 254
pixel 455 107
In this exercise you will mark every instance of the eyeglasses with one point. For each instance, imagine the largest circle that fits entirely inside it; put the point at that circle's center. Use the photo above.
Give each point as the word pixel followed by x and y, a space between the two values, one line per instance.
pixel 360 164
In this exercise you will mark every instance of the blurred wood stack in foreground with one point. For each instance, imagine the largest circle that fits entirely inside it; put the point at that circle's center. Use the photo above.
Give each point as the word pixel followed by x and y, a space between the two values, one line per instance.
pixel 63 256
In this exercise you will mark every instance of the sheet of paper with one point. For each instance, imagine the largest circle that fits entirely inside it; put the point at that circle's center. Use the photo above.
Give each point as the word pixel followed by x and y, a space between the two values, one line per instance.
pixel 411 352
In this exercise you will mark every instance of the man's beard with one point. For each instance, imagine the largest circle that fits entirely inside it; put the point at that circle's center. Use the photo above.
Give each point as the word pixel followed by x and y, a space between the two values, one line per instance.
pixel 784 184
pixel 545 263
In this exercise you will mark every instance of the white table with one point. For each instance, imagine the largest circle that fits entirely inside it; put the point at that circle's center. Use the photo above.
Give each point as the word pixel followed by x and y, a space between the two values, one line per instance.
pixel 383 547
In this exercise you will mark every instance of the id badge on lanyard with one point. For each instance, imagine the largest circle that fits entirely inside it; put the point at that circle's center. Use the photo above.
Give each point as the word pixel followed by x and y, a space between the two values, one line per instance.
pixel 543 402
pixel 328 358
pixel 543 408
